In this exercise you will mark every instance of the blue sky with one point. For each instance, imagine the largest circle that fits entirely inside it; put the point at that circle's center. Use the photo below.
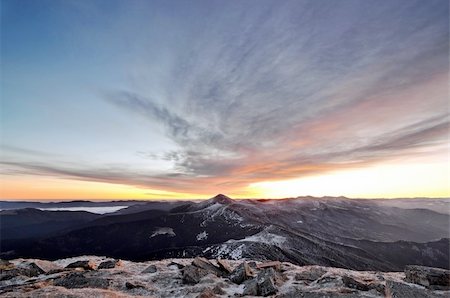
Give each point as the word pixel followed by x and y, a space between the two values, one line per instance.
pixel 204 96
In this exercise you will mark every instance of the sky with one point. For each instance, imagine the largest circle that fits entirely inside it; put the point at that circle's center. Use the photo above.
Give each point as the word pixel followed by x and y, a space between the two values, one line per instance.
pixel 185 99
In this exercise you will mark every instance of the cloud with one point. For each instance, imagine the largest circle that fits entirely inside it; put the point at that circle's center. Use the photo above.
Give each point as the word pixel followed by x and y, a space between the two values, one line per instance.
pixel 282 91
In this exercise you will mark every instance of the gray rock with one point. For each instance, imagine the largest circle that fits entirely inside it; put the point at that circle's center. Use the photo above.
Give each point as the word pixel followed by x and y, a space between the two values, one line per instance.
pixel 207 265
pixel 311 275
pixel 404 290
pixel 427 276
pixel 353 283
pixel 309 294
pixel 86 265
pixel 193 274
pixel 78 280
pixel 110 264
pixel 150 269
pixel 250 287
pixel 224 266
pixel 180 266
pixel 241 273
pixel 266 282
pixel 24 269
pixel 273 264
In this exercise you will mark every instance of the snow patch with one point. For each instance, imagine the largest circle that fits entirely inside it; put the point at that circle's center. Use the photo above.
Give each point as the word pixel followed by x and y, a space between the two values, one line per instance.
pixel 163 231
pixel 202 236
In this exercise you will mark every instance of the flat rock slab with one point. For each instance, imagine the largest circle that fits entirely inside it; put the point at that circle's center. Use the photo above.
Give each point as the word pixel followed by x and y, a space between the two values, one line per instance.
pixel 78 280
pixel 274 264
pixel 224 266
pixel 86 265
pixel 427 276
pixel 207 265
pixel 109 264
pixel 193 274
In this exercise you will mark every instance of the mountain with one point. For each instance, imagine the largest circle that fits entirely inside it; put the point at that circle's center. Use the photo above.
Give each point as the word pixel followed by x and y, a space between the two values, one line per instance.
pixel 338 232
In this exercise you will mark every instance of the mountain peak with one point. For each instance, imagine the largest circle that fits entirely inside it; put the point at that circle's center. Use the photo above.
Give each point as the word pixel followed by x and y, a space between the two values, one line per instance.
pixel 222 199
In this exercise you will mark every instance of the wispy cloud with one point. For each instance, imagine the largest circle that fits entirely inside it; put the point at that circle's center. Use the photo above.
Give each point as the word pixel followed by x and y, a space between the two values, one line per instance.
pixel 284 90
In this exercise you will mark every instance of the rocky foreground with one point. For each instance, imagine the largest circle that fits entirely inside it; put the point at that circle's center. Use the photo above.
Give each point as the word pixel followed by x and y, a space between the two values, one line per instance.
pixel 92 276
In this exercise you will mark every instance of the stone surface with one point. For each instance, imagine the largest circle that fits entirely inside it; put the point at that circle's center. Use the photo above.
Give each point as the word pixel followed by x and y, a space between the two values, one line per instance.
pixel 427 276
pixel 109 264
pixel 207 265
pixel 403 290
pixel 224 265
pixel 241 273
pixel 274 264
pixel 312 274
pixel 78 280
pixel 85 264
pixel 266 282
pixel 150 269
pixel 193 274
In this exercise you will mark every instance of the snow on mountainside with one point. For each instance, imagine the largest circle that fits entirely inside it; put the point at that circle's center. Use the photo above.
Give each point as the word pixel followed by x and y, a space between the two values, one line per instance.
pixel 338 232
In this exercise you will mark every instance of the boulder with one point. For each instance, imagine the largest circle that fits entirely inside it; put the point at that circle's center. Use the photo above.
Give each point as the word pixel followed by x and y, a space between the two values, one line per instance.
pixel 312 274
pixel 5 264
pixel 48 266
pixel 428 277
pixel 403 290
pixel 109 264
pixel 274 264
pixel 353 283
pixel 250 287
pixel 241 273
pixel 24 269
pixel 266 282
pixel 207 265
pixel 150 269
pixel 224 266
pixel 207 293
pixel 78 280
pixel 178 265
pixel 86 265
pixel 193 274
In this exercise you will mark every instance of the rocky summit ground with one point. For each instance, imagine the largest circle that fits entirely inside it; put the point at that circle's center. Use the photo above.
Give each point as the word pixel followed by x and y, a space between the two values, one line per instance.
pixel 92 276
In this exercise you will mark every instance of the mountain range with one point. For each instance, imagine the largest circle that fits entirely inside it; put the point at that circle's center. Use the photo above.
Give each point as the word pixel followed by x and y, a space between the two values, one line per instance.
pixel 384 235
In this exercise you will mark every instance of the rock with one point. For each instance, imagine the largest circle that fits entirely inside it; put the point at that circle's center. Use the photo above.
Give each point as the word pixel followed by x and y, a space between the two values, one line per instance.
pixel 207 293
pixel 297 293
pixel 86 265
pixel 218 290
pixel 274 264
pixel 250 287
pixel 178 265
pixel 428 277
pixel 352 283
pixel 403 290
pixel 193 274
pixel 24 269
pixel 110 264
pixel 131 286
pixel 30 269
pixel 312 274
pixel 5 264
pixel 48 266
pixel 266 282
pixel 207 265
pixel 224 266
pixel 78 280
pixel 150 269
pixel 241 273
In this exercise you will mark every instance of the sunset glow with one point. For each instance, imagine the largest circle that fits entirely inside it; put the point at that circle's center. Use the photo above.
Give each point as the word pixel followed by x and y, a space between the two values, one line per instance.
pixel 335 98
